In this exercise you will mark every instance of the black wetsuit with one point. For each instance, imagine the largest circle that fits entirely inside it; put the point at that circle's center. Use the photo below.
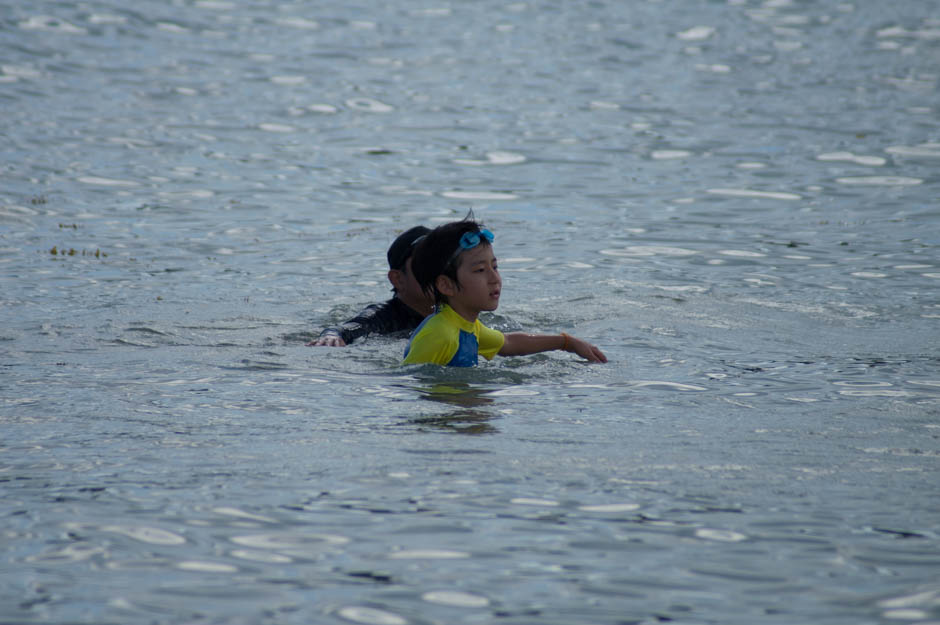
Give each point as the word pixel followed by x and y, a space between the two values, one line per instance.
pixel 385 318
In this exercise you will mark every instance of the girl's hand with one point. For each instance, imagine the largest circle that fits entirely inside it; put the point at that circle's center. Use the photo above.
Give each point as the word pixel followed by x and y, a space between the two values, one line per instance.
pixel 585 350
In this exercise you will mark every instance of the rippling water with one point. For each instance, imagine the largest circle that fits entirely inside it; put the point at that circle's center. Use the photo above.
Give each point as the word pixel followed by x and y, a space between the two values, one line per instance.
pixel 738 201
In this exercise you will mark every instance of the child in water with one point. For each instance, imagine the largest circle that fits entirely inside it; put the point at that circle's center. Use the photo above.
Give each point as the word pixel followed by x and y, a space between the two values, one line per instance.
pixel 456 263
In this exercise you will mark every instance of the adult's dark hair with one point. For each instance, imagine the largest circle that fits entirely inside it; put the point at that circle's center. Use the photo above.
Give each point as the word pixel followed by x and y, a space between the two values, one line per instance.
pixel 434 255
pixel 403 246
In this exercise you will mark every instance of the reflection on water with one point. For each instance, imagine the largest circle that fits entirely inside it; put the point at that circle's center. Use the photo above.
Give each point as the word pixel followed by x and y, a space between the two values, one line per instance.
pixel 468 415
pixel 736 200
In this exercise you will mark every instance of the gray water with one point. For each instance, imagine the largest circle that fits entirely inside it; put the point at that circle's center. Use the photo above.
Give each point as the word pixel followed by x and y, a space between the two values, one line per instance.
pixel 737 201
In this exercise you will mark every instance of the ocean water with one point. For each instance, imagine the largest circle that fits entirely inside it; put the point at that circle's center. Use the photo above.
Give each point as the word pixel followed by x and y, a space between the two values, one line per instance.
pixel 738 201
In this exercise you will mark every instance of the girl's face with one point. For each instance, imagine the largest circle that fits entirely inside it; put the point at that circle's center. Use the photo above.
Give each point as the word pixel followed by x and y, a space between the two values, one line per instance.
pixel 480 283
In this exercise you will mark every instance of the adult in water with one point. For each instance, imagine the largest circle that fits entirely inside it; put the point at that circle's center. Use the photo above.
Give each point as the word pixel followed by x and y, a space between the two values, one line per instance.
pixel 403 312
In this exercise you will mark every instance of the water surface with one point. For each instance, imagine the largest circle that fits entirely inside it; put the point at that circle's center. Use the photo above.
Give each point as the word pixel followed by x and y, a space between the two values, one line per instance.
pixel 737 201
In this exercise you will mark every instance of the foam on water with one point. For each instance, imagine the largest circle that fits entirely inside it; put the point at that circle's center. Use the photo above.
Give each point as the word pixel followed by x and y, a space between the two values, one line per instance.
pixel 370 616
pixel 456 598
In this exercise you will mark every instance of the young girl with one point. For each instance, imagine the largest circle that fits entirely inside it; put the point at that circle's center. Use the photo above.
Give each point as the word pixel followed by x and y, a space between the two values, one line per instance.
pixel 456 263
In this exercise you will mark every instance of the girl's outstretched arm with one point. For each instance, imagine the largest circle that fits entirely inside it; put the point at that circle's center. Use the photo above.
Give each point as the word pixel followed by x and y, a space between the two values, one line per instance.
pixel 521 343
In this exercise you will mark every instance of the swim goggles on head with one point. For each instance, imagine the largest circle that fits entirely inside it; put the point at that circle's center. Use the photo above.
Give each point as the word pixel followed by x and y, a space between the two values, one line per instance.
pixel 470 240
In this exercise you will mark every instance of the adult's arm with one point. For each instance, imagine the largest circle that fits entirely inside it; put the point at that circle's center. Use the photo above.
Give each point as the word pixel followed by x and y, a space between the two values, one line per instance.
pixel 384 318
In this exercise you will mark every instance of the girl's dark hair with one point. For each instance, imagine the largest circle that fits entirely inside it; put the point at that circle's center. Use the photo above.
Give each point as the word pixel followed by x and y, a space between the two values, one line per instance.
pixel 433 254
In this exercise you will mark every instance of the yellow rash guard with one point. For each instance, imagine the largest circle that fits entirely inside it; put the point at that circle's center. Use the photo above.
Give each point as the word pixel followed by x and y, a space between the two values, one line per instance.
pixel 446 338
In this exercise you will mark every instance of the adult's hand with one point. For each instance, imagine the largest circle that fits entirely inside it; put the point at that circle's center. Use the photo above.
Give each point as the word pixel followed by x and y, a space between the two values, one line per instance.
pixel 328 340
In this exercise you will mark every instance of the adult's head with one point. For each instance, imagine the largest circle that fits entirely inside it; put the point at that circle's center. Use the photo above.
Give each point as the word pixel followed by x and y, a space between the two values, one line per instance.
pixel 401 272
pixel 403 246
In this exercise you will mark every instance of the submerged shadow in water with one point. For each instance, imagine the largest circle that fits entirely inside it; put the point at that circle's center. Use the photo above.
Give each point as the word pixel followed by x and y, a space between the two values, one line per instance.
pixel 469 415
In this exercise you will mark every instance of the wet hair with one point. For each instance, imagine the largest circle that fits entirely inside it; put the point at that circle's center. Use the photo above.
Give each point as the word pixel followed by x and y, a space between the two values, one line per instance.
pixel 402 249
pixel 435 255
